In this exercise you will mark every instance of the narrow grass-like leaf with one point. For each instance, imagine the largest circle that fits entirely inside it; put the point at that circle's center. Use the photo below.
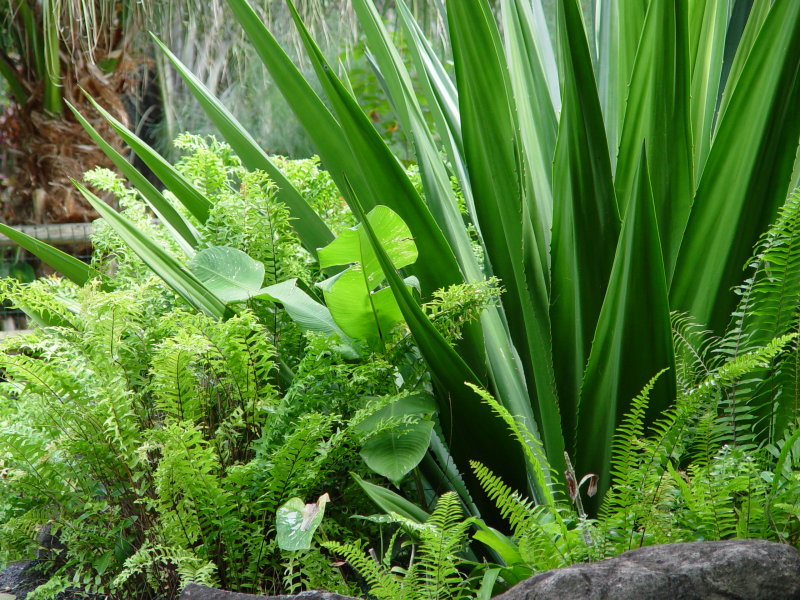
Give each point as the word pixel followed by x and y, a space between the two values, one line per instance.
pixel 11 77
pixel 194 201
pixel 186 285
pixel 506 374
pixel 633 340
pixel 70 267
pixel 747 173
pixel 184 233
pixel 442 99
pixel 51 44
pixel 352 146
pixel 310 228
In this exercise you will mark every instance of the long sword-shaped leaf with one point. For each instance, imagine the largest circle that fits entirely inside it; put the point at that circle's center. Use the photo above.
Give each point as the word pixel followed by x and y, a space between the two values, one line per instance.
pixel 658 112
pixel 708 25
pixel 505 213
pixel 12 79
pixel 310 228
pixel 633 340
pixel 755 20
pixel 186 285
pixel 383 172
pixel 442 98
pixel 184 233
pixel 436 180
pixel 442 88
pixel 585 218
pixel 69 266
pixel 352 146
pixel 195 202
pixel 390 502
pixel 506 375
pixel 536 113
pixel 460 408
pixel 747 173
pixel 619 26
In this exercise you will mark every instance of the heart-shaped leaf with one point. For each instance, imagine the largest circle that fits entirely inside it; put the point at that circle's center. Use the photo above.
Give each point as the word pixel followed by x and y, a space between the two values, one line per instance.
pixel 397 449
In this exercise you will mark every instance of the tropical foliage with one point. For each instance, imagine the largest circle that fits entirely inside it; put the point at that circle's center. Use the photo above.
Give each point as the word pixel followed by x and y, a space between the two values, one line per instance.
pixel 579 249
pixel 49 50
pixel 184 445
pixel 544 300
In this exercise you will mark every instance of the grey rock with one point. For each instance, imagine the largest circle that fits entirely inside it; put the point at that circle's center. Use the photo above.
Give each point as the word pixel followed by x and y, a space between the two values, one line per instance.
pixel 12 577
pixel 727 570
pixel 18 579
pixel 201 592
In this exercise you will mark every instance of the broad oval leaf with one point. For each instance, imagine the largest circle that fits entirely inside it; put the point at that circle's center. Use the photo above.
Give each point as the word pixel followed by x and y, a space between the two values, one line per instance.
pixel 395 452
pixel 415 404
pixel 352 245
pixel 398 448
pixel 307 312
pixel 363 312
pixel 229 273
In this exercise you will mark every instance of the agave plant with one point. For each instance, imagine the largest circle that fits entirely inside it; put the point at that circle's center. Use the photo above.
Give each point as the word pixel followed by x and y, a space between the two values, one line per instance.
pixel 608 185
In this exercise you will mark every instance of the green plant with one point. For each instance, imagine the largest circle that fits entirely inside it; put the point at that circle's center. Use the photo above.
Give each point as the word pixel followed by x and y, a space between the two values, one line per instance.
pixel 706 469
pixel 49 50
pixel 626 231
pixel 648 206
pixel 434 567
pixel 174 433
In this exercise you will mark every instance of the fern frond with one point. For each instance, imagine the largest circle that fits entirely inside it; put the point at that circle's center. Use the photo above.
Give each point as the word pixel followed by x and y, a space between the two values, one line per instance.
pixel 769 309
pixel 438 576
pixel 694 351
pixel 531 447
pixel 628 444
pixel 381 582
pixel 155 561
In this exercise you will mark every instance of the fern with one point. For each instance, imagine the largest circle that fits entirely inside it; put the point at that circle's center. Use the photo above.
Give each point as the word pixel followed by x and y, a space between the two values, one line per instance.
pixel 769 308
pixel 626 452
pixel 695 356
pixel 434 571
pixel 540 532
pixel 163 565
pixel 532 448
pixel 382 584
pixel 652 499
pixel 437 574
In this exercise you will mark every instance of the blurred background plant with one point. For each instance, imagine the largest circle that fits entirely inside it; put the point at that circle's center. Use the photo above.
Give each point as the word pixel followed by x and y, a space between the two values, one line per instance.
pixel 50 48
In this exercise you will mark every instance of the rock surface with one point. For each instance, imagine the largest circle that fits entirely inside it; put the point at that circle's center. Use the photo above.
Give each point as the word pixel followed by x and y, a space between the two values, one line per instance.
pixel 727 570
pixel 200 592
pixel 18 579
